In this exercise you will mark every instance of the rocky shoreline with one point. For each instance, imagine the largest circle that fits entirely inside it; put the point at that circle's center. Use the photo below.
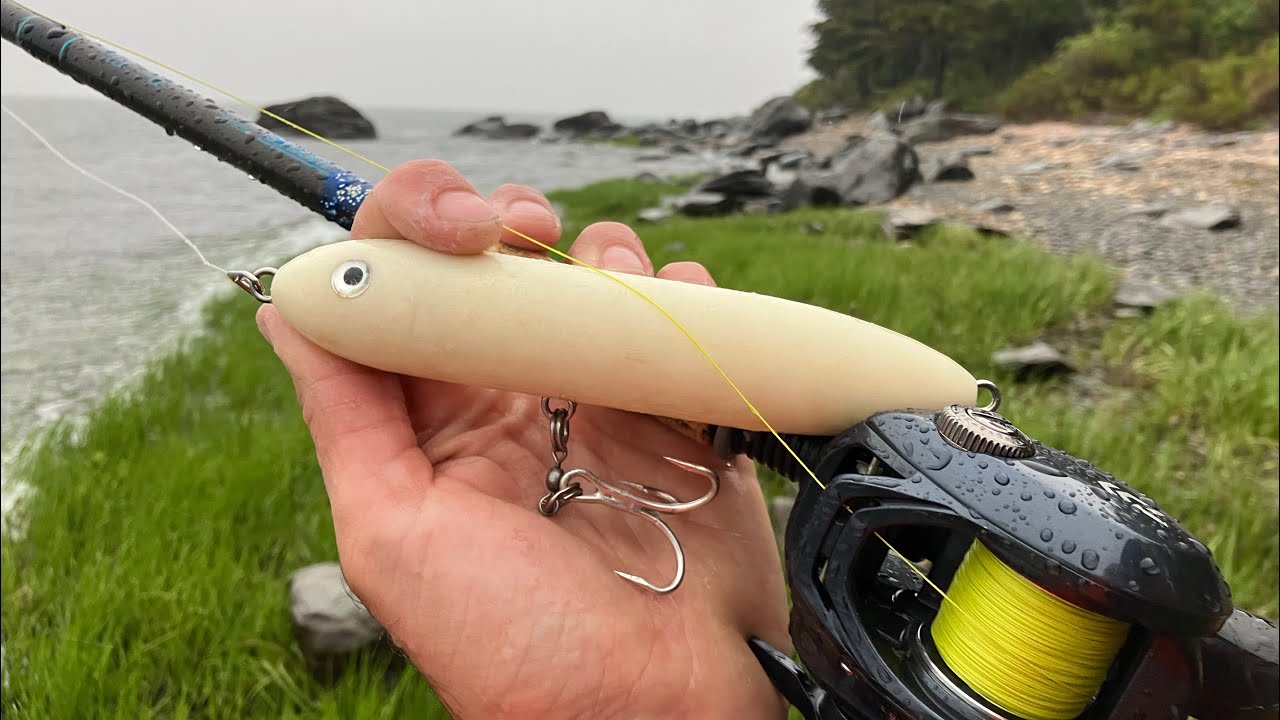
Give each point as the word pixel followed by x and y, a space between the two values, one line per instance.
pixel 1172 207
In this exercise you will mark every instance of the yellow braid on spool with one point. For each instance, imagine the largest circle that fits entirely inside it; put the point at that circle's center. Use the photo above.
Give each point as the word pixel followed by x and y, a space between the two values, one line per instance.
pixel 1019 647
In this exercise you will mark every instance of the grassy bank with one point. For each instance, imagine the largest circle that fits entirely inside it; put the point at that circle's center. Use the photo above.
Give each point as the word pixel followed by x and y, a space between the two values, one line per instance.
pixel 151 578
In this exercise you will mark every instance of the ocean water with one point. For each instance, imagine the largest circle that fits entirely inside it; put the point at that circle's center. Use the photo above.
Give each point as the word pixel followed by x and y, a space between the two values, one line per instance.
pixel 93 284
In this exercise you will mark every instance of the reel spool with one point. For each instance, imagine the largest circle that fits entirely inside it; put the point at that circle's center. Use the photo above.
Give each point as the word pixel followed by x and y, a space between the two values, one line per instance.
pixel 1038 587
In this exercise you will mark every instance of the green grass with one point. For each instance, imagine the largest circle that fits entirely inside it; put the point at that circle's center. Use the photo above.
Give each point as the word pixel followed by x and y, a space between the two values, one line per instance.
pixel 150 580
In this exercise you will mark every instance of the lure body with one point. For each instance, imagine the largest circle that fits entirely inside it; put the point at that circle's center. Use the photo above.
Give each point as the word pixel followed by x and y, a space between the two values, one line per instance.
pixel 563 331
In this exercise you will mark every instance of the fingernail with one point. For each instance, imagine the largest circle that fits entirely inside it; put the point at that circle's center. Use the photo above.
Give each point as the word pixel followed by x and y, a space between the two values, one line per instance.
pixel 622 259
pixel 465 207
pixel 529 207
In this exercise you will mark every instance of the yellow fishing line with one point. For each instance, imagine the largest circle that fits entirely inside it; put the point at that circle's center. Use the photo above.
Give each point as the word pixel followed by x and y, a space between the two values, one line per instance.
pixel 1020 647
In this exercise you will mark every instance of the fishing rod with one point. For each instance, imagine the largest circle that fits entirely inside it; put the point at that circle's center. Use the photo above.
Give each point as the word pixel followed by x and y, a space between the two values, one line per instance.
pixel 943 565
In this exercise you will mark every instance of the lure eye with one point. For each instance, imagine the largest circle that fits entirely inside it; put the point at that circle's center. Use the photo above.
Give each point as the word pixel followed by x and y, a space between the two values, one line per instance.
pixel 351 278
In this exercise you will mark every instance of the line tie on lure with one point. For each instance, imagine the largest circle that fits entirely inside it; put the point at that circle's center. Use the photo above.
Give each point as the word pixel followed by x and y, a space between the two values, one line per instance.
pixel 942 564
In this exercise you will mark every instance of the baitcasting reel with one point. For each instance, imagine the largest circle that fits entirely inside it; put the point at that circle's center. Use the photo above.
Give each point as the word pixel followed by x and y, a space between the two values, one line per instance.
pixel 955 569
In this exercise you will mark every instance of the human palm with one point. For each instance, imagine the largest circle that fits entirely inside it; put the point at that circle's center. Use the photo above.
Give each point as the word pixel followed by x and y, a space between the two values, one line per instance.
pixel 434 489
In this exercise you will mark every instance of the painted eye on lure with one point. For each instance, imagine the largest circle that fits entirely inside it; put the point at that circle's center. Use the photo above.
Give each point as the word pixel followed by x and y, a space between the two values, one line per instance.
pixel 351 278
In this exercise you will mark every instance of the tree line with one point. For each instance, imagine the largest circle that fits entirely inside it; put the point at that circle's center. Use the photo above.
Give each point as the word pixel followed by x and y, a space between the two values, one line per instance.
pixel 1213 62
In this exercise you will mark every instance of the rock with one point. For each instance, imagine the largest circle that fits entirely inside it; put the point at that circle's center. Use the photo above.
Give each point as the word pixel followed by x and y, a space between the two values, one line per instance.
pixel 749 183
pixel 1037 360
pixel 1142 295
pixel 653 214
pixel 495 127
pixel 877 170
pixel 995 205
pixel 705 204
pixel 830 115
pixel 648 177
pixel 594 123
pixel 969 151
pixel 878 122
pixel 815 188
pixel 908 109
pixel 813 227
pixel 329 625
pixel 905 222
pixel 779 118
pixel 940 127
pixel 1035 168
pixel 944 169
pixel 1130 161
pixel 324 115
pixel 1061 142
pixel 1213 216
pixel 788 160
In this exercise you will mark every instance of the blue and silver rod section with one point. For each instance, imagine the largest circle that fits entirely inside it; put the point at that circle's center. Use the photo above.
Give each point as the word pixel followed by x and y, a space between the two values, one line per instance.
pixel 290 169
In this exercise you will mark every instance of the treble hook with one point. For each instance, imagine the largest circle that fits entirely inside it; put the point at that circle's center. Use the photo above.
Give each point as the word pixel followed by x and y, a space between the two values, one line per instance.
pixel 646 502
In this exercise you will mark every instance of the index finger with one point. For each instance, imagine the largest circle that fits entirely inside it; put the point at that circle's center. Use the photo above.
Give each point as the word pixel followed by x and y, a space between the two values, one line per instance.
pixel 430 203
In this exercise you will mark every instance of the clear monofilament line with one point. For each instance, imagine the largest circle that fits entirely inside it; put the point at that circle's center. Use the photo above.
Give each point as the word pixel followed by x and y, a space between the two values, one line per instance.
pixel 111 186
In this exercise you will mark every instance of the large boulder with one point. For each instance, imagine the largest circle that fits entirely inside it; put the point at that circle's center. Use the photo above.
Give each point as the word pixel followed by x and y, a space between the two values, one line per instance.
pixel 778 118
pixel 324 115
pixel 594 123
pixel 875 170
pixel 495 127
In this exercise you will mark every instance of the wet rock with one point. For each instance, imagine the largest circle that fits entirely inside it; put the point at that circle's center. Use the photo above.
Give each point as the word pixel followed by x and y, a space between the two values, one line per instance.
pixel 779 118
pixel 329 625
pixel 1037 360
pixel 594 123
pixel 1212 216
pixel 324 115
pixel 940 127
pixel 751 183
pixel 653 214
pixel 905 222
pixel 1041 166
pixel 876 170
pixel 705 204
pixel 495 127
pixel 995 205
pixel 1142 295
pixel 946 169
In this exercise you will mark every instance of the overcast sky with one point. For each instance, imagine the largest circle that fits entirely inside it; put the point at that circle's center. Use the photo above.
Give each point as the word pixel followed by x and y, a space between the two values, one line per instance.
pixel 685 58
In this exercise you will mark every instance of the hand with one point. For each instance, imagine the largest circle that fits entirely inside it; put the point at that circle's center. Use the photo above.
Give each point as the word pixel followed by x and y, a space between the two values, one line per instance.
pixel 434 490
